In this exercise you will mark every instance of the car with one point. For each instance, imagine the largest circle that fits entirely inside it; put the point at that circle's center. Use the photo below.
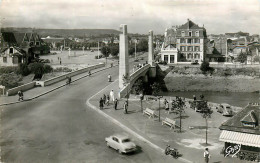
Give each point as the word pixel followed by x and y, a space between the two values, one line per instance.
pixel 121 142
pixel 225 110
pixel 196 62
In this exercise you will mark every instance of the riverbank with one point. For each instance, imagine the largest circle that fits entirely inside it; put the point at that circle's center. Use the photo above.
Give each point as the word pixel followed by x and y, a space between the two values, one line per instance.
pixel 192 79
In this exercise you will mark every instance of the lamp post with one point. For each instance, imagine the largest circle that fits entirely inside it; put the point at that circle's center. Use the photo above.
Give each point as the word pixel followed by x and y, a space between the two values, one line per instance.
pixel 159 97
pixel 141 99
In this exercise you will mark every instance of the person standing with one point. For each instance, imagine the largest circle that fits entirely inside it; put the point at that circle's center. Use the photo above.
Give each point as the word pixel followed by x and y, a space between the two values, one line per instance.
pixel 115 105
pixel 108 100
pixel 101 103
pixel 206 155
pixel 112 95
pixel 194 98
pixel 104 99
pixel 167 105
pixel 125 107
pixel 20 94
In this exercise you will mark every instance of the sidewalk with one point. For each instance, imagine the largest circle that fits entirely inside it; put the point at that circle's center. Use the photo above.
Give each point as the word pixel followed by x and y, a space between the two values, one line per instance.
pixel 40 91
pixel 190 142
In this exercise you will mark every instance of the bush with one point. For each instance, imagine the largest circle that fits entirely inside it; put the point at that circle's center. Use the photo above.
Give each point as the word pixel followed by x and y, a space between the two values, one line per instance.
pixel 10 80
pixel 204 67
pixel 36 68
pixel 23 69
pixel 98 57
pixel 6 70
pixel 47 69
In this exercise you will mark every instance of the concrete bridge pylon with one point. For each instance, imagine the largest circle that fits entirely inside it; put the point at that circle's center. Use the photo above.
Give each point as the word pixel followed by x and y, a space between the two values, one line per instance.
pixel 123 56
pixel 150 49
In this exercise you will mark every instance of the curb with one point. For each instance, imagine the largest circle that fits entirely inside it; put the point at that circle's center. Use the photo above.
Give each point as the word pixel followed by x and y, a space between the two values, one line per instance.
pixel 125 127
pixel 39 95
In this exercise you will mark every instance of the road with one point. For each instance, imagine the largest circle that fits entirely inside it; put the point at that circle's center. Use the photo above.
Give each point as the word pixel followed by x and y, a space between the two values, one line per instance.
pixel 59 127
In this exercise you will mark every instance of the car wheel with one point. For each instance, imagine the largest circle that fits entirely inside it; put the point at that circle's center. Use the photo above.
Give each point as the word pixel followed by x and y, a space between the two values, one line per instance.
pixel 119 151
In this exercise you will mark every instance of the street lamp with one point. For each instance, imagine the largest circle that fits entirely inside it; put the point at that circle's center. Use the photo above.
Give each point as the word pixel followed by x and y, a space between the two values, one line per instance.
pixel 159 97
pixel 141 99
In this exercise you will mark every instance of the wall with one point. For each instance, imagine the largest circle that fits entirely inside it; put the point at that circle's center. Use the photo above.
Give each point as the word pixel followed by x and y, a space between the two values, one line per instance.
pixel 24 87
pixel 63 77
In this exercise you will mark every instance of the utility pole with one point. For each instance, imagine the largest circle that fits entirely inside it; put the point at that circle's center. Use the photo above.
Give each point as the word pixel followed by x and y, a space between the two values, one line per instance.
pixel 98 49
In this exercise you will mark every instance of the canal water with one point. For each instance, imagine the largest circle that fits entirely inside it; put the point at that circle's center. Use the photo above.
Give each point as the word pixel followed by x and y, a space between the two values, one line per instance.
pixel 240 99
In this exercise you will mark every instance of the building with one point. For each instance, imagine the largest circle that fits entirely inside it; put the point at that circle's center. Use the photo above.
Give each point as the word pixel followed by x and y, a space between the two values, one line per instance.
pixel 30 43
pixel 242 134
pixel 11 56
pixel 189 39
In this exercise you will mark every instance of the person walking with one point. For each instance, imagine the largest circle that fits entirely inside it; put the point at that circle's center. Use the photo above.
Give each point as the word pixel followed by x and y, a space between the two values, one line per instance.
pixel 194 98
pixel 115 105
pixel 104 99
pixel 125 107
pixel 112 95
pixel 101 103
pixel 202 97
pixel 167 106
pixel 108 100
pixel 206 155
pixel 20 94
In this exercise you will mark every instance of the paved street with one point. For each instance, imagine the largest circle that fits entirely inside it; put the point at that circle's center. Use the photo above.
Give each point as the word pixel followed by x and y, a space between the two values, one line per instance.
pixel 59 127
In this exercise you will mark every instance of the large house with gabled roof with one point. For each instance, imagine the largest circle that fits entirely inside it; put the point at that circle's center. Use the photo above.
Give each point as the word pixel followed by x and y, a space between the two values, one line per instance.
pixel 29 42
pixel 189 39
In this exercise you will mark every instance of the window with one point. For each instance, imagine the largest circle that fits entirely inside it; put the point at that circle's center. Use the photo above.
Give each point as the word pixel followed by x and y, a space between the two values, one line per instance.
pixel 197 40
pixel 189 41
pixel 166 58
pixel 115 139
pixel 197 48
pixel 15 60
pixel 190 56
pixel 182 40
pixel 11 51
pixel 190 33
pixel 182 48
pixel 182 33
pixel 197 33
pixel 197 56
pixel 190 48
pixel 171 58
pixel 37 43
pixel 5 59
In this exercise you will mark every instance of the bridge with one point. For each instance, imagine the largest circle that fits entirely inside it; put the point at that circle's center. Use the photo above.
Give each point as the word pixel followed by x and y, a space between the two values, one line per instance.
pixel 126 81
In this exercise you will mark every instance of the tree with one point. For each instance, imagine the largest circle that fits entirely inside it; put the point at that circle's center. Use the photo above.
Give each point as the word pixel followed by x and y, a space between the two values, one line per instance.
pixel 179 105
pixel 206 114
pixel 204 67
pixel 142 46
pixel 105 50
pixel 156 89
pixel 114 49
pixel 242 57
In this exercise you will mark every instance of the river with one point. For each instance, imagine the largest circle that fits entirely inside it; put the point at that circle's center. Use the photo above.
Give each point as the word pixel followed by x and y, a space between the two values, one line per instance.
pixel 239 99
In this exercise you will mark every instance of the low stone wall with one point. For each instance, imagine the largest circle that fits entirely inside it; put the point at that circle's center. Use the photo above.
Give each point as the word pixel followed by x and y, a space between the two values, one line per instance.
pixel 73 73
pixel 24 87
pixel 31 85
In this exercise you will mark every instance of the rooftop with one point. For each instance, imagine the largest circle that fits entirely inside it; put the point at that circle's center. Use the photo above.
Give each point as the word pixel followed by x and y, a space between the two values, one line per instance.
pixel 250 114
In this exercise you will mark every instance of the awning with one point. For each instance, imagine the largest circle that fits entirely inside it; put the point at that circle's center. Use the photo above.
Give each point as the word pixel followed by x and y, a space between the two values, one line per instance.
pixel 240 138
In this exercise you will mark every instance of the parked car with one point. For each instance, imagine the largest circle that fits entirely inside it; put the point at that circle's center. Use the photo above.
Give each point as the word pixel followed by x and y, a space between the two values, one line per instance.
pixel 225 109
pixel 200 106
pixel 120 142
pixel 196 62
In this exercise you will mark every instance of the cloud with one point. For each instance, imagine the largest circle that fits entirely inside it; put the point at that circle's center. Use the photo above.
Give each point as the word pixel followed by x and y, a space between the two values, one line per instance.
pixel 218 16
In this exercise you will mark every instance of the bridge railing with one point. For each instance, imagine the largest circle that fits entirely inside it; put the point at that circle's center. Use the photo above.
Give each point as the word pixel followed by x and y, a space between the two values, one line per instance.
pixel 138 72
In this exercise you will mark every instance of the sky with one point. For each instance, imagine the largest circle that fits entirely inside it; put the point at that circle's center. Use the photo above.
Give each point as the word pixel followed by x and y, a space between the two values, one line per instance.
pixel 217 16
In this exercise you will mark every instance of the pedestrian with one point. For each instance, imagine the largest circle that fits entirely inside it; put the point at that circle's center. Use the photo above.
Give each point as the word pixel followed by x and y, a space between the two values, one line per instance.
pixel 60 62
pixel 104 99
pixel 108 100
pixel 125 107
pixel 165 101
pixel 112 95
pixel 194 98
pixel 167 106
pixel 101 103
pixel 206 155
pixel 115 105
pixel 201 96
pixel 20 94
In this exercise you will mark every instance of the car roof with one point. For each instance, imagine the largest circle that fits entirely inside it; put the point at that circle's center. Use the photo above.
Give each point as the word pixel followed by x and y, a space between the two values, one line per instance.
pixel 121 136
pixel 225 104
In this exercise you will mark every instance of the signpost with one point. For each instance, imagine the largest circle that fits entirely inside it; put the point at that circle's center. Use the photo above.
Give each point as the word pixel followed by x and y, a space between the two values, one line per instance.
pixel 3 87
